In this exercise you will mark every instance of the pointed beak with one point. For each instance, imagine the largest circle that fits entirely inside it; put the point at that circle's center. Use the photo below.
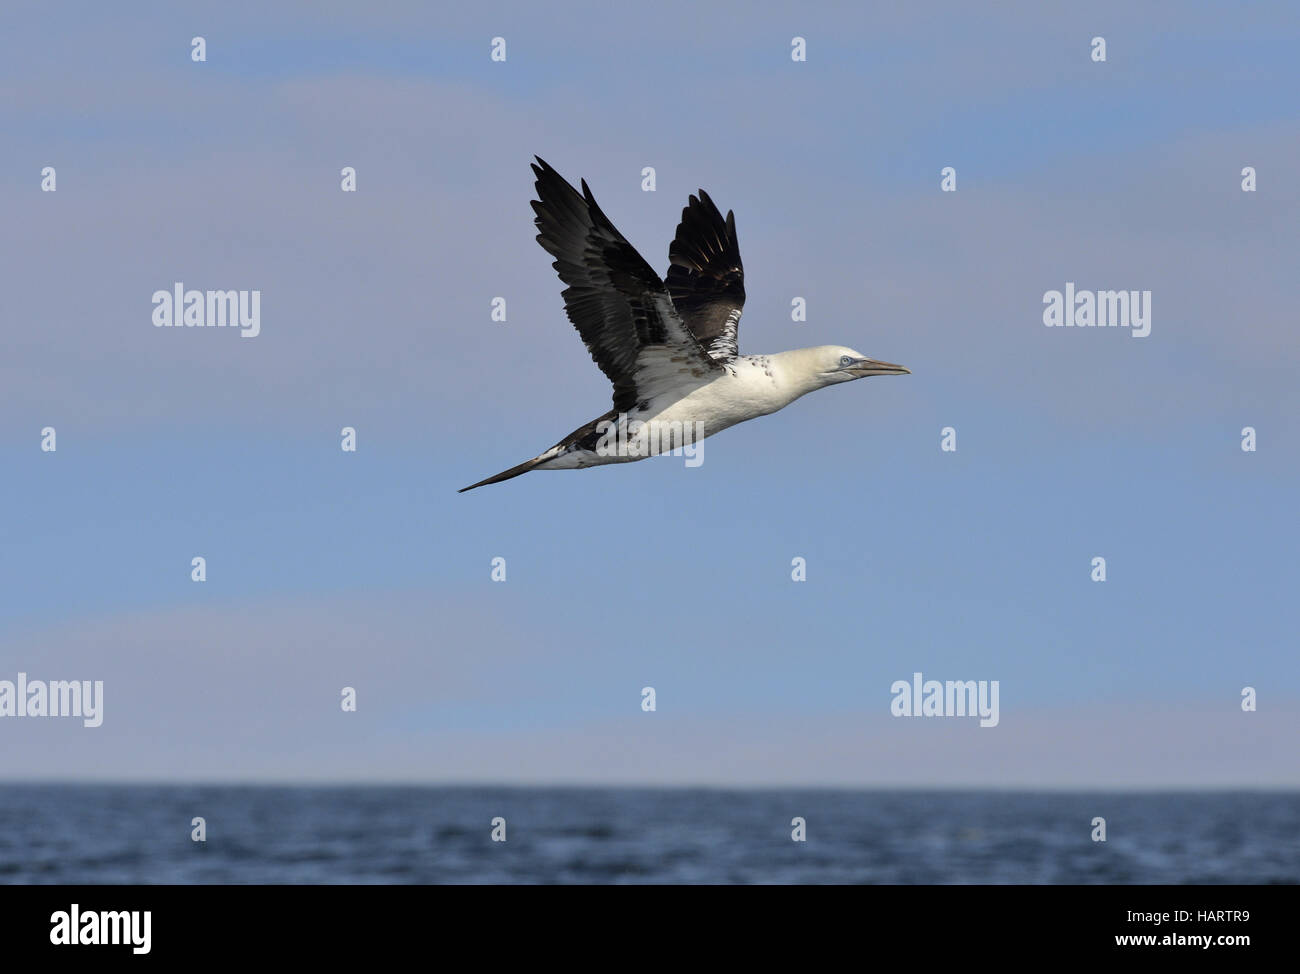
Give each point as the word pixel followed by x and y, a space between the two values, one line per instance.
pixel 869 366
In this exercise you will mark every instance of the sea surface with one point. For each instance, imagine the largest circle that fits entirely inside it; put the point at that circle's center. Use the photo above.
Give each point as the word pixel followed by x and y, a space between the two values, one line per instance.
pixel 142 834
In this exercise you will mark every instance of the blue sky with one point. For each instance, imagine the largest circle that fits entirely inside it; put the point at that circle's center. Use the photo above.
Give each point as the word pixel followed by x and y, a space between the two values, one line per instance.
pixel 328 569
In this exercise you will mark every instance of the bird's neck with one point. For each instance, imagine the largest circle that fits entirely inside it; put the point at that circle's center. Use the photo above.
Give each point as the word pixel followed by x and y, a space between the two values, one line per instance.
pixel 796 373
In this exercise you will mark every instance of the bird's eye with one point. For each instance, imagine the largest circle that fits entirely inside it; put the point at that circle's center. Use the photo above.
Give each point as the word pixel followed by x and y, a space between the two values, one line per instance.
pixel 845 360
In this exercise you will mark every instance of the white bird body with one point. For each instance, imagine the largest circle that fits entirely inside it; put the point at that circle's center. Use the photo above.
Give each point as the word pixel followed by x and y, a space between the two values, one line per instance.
pixel 751 386
pixel 669 346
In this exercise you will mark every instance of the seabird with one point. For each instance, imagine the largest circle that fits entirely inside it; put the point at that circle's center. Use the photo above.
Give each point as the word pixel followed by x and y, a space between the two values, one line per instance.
pixel 668 346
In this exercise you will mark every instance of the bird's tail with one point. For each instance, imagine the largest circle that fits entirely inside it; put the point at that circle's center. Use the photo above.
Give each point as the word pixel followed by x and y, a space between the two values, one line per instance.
pixel 522 468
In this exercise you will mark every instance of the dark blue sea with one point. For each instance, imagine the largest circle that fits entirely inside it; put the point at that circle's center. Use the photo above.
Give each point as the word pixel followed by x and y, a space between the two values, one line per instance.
pixel 142 834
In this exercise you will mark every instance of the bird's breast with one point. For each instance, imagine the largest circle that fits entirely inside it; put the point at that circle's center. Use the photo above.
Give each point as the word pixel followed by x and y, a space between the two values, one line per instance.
pixel 741 392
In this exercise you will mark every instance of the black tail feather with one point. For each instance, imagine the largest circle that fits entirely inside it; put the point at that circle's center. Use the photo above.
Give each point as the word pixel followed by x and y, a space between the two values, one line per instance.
pixel 513 472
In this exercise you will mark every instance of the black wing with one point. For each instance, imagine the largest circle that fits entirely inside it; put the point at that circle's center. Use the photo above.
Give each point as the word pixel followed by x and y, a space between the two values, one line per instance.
pixel 706 279
pixel 614 298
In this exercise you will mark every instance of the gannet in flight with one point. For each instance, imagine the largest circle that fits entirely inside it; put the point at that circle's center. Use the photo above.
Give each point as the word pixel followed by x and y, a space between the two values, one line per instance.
pixel 668 346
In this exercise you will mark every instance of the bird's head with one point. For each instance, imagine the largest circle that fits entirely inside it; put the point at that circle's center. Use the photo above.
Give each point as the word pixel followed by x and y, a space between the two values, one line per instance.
pixel 835 363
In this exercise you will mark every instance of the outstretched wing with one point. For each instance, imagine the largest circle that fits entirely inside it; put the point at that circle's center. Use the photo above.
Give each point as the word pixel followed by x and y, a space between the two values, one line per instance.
pixel 614 298
pixel 706 279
